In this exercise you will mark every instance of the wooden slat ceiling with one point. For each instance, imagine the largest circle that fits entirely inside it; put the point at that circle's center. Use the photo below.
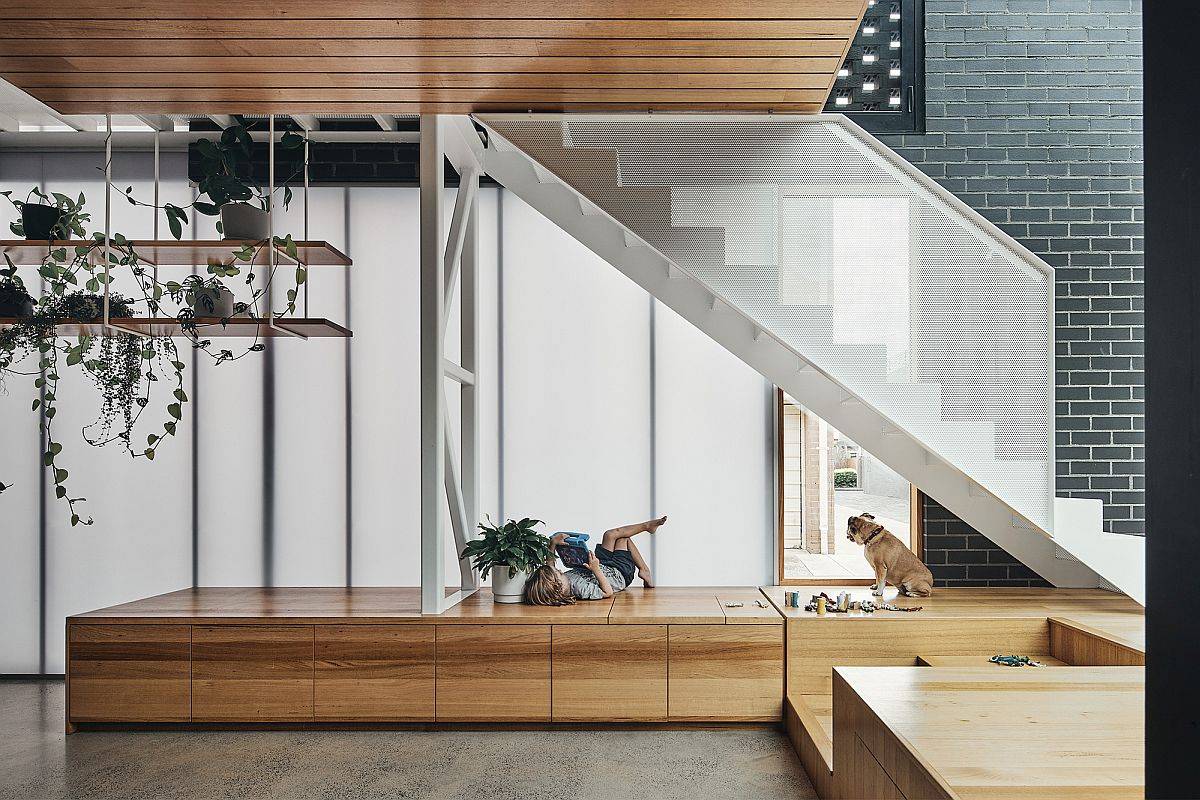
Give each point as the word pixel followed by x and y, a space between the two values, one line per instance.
pixel 408 56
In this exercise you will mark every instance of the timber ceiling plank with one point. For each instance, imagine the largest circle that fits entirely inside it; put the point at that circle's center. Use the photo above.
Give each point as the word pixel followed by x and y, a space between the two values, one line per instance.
pixel 408 56
pixel 423 9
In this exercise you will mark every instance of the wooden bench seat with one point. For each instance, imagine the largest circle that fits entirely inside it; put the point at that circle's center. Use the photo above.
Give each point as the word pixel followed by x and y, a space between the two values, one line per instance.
pixel 683 654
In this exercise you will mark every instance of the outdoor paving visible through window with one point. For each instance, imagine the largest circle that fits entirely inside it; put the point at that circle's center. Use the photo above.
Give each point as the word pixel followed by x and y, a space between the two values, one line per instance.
pixel 848 561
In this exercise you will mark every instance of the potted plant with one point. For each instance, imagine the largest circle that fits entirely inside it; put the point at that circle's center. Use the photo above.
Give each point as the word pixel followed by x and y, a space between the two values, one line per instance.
pixel 226 168
pixel 14 300
pixel 58 217
pixel 208 297
pixel 510 552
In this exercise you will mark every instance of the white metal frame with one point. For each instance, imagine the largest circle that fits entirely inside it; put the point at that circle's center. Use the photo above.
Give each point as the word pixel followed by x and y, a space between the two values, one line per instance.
pixel 448 476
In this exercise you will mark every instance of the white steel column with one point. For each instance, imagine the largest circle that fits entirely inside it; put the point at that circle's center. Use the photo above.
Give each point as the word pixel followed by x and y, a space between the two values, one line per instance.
pixel 445 256
pixel 469 398
pixel 432 324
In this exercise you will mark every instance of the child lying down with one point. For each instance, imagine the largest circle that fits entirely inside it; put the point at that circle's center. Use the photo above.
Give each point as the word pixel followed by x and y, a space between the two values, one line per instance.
pixel 610 569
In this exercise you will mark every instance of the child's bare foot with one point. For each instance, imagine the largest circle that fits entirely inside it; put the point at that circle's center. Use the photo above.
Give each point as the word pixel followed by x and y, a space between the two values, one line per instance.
pixel 653 525
pixel 647 578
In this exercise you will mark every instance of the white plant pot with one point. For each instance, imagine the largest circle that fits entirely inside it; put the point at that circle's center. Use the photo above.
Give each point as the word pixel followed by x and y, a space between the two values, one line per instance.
pixel 506 589
pixel 244 221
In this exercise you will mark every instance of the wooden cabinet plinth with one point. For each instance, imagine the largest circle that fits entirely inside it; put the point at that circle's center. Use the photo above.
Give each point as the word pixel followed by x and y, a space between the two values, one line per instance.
pixel 610 673
pixel 726 672
pixel 252 673
pixel 129 673
pixel 375 673
pixel 493 672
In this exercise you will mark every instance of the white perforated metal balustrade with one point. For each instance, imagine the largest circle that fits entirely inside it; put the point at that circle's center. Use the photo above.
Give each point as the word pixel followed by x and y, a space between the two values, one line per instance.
pixel 844 252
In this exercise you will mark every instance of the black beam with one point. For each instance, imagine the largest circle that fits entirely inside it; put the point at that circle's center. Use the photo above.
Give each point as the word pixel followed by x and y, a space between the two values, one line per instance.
pixel 1172 396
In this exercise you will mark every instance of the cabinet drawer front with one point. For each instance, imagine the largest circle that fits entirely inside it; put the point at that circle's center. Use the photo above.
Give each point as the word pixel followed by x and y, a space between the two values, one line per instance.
pixel 129 673
pixel 493 672
pixel 375 672
pixel 610 673
pixel 248 673
pixel 726 672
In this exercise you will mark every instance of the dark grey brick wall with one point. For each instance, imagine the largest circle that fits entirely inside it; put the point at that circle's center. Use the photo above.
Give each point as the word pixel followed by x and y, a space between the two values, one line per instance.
pixel 1033 117
pixel 958 555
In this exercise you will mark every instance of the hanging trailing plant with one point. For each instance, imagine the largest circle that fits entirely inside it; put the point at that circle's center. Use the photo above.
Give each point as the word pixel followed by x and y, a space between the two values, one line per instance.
pixel 123 366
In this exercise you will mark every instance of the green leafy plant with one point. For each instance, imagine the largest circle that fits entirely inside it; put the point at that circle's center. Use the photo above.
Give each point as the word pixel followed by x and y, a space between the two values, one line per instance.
pixel 227 176
pixel 226 168
pixel 515 545
pixel 845 478
pixel 70 222
pixel 124 367
pixel 13 297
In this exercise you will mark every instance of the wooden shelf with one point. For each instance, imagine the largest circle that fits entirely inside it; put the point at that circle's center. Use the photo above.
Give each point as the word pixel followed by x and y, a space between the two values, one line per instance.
pixel 170 253
pixel 209 327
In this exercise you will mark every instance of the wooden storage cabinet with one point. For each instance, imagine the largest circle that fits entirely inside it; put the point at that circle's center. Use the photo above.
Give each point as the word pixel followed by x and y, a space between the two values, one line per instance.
pixel 381 673
pixel 493 673
pixel 610 673
pixel 128 673
pixel 252 673
pixel 726 673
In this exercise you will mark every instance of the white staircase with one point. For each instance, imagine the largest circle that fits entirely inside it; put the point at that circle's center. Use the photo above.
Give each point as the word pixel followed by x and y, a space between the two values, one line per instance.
pixel 846 277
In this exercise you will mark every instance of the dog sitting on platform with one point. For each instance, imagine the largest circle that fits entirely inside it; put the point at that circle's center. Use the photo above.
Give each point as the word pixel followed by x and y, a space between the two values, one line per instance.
pixel 892 561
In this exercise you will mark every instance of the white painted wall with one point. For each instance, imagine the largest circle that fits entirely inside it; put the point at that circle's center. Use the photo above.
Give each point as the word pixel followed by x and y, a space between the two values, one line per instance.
pixel 576 382
pixel 576 352
pixel 715 458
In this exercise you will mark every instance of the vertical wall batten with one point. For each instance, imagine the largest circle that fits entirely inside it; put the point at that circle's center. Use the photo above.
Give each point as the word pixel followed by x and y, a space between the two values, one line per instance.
pixel 348 378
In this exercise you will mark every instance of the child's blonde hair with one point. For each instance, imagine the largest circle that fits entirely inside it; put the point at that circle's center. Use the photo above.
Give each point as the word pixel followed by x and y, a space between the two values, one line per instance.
pixel 545 588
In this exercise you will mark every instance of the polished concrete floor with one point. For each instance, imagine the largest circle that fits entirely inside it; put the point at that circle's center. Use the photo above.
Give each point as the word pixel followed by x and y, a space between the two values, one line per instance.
pixel 38 761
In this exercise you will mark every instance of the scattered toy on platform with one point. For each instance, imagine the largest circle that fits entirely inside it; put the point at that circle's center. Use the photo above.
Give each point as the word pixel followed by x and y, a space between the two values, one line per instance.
pixel 1015 661
pixel 843 604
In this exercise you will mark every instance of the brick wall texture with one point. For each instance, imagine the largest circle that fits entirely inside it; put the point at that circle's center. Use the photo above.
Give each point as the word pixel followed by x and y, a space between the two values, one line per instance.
pixel 1033 117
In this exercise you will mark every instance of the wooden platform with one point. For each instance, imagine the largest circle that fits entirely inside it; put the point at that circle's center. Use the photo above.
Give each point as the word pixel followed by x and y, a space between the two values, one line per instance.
pixel 955 626
pixel 668 655
pixel 974 733
pixel 1115 614
pixel 370 655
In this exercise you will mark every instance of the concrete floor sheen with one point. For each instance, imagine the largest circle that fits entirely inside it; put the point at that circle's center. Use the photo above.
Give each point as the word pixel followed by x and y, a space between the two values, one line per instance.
pixel 37 760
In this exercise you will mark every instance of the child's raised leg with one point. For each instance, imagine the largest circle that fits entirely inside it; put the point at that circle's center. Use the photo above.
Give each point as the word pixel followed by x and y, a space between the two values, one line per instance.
pixel 643 568
pixel 614 537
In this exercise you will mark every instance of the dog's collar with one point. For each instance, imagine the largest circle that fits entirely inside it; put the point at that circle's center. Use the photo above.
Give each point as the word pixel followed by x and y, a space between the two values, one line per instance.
pixel 873 536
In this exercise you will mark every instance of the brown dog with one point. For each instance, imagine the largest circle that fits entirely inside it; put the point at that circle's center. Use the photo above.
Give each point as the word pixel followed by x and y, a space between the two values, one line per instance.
pixel 892 561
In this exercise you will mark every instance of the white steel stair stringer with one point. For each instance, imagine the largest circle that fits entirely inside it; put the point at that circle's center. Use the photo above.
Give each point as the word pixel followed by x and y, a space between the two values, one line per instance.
pixel 724 321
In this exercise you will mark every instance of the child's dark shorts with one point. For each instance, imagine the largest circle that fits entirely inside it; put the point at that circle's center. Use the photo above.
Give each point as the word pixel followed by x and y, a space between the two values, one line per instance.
pixel 620 560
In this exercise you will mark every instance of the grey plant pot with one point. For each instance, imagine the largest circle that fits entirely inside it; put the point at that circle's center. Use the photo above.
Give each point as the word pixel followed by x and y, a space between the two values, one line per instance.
pixel 244 221
pixel 209 302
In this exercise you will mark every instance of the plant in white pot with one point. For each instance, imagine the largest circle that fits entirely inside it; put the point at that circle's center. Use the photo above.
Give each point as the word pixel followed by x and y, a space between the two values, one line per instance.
pixel 510 552
pixel 226 170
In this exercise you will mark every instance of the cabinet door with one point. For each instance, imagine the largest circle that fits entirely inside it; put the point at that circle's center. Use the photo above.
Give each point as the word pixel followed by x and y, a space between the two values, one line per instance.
pixel 726 672
pixel 375 672
pixel 128 673
pixel 252 673
pixel 493 672
pixel 610 673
